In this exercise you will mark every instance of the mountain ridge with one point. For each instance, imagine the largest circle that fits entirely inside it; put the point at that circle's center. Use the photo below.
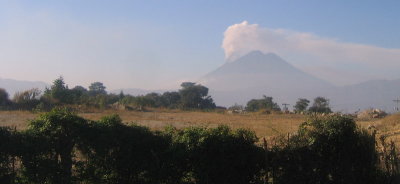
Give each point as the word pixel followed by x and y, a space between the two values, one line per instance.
pixel 12 86
pixel 257 74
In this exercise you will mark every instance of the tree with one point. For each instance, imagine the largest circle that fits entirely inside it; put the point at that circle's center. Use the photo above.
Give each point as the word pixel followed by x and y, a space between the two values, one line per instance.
pixel 79 90
pixel 50 141
pixel 195 96
pixel 4 97
pixel 320 105
pixel 78 94
pixel 266 103
pixel 154 99
pixel 58 91
pixel 97 88
pixel 187 84
pixel 220 155
pixel 330 149
pixel 301 105
pixel 27 99
pixel 121 95
pixel 26 96
pixel 124 154
pixel 343 149
pixel 171 99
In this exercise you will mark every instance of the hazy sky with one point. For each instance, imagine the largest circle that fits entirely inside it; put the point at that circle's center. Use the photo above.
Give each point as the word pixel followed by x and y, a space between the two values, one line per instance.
pixel 157 44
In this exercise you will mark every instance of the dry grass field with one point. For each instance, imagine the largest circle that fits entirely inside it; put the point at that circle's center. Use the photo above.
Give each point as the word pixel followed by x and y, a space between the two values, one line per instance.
pixel 18 119
pixel 264 125
pixel 388 127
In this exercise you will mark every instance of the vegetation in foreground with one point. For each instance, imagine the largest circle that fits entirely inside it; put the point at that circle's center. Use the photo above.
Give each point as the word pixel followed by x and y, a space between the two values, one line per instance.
pixel 61 147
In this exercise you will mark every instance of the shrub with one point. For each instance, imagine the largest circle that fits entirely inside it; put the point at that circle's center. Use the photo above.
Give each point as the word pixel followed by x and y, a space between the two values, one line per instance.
pixel 7 155
pixel 220 155
pixel 328 150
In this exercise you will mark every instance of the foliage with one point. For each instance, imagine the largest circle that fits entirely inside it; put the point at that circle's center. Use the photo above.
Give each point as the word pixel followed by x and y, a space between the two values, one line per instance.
pixel 327 150
pixel 97 88
pixel 301 105
pixel 4 100
pixel 154 99
pixel 220 155
pixel 265 103
pixel 320 105
pixel 28 99
pixel 49 144
pixel 191 96
pixel 79 94
pixel 60 147
pixel 171 99
pixel 7 155
pixel 58 92
pixel 123 154
pixel 195 96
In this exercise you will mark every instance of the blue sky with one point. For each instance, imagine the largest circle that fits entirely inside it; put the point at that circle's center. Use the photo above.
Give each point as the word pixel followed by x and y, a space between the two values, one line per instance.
pixel 157 44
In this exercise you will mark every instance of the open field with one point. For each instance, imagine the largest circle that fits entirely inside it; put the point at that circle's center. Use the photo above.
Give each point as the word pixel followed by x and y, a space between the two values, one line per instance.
pixel 263 124
pixel 388 127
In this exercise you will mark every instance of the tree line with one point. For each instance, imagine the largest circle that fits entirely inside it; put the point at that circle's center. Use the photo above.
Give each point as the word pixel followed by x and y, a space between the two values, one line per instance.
pixel 190 96
pixel 59 147
pixel 320 105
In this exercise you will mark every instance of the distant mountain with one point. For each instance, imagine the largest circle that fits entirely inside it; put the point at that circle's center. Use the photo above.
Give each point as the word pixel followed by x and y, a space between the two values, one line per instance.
pixel 370 94
pixel 12 86
pixel 136 91
pixel 257 74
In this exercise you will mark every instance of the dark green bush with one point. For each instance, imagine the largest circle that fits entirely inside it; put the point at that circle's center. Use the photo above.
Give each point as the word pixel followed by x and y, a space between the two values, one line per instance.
pixel 60 147
pixel 221 155
pixel 117 153
pixel 7 155
pixel 327 150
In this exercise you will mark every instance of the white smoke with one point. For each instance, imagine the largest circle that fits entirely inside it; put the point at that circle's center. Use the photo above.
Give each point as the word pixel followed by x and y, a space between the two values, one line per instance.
pixel 306 50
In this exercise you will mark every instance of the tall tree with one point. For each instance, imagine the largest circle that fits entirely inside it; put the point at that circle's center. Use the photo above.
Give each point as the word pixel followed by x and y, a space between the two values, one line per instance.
pixel 264 103
pixel 195 96
pixel 301 105
pixel 97 88
pixel 78 94
pixel 3 97
pixel 58 91
pixel 320 105
pixel 171 99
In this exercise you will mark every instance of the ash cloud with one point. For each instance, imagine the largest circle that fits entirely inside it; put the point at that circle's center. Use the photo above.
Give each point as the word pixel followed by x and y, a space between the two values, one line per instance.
pixel 307 50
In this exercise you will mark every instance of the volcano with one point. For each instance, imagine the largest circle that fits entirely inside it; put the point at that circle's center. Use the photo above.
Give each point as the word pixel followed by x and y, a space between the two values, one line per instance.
pixel 257 74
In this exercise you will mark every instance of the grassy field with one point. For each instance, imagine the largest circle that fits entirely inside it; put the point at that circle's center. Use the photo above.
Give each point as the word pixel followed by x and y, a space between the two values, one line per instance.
pixel 388 127
pixel 264 125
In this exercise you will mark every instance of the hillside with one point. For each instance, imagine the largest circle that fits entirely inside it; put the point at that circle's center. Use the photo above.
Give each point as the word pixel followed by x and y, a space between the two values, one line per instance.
pixel 12 86
pixel 257 74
